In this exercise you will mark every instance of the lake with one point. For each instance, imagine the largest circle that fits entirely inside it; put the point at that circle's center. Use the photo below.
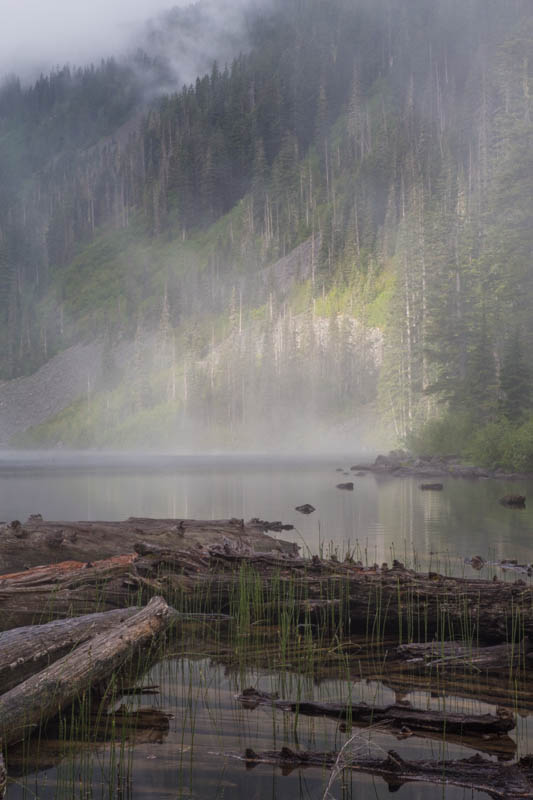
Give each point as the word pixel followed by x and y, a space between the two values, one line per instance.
pixel 206 730
pixel 384 517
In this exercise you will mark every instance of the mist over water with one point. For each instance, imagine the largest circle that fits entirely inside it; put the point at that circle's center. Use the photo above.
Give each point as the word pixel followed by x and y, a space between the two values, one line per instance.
pixel 382 519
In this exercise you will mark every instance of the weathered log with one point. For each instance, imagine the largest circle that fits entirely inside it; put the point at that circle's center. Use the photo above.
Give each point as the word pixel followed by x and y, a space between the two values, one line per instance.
pixel 509 782
pixel 503 659
pixel 375 600
pixel 432 487
pixel 398 716
pixel 25 651
pixel 67 589
pixel 42 696
pixel 381 665
pixel 38 541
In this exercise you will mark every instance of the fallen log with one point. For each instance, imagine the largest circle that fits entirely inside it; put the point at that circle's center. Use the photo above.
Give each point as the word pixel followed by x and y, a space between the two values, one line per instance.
pixel 504 659
pixel 509 782
pixel 398 716
pixel 44 695
pixel 378 601
pixel 25 651
pixel 39 541
pixel 67 589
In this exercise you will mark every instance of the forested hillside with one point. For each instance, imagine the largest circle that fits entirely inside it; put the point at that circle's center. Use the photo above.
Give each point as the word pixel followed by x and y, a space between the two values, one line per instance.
pixel 336 226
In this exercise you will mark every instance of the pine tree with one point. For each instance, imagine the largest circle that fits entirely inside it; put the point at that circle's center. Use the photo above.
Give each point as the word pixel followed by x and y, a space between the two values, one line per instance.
pixel 515 380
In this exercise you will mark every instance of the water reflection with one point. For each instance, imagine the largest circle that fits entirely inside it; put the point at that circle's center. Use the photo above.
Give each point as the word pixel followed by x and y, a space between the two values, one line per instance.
pixel 208 724
pixel 382 519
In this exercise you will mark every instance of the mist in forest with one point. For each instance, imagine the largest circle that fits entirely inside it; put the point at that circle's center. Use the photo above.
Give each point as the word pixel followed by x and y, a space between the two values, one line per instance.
pixel 184 36
pixel 320 240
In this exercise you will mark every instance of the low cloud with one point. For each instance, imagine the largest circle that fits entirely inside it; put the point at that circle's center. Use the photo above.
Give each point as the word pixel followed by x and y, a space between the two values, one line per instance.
pixel 40 35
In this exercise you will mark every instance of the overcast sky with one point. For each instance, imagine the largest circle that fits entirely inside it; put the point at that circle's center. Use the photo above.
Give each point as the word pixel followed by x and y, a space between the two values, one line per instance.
pixel 41 34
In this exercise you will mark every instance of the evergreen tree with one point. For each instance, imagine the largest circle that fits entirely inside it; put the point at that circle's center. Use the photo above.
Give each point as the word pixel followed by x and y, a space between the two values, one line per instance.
pixel 515 380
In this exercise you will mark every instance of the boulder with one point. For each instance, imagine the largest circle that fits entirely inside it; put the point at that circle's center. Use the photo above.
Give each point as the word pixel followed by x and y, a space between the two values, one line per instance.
pixel 307 508
pixel 513 501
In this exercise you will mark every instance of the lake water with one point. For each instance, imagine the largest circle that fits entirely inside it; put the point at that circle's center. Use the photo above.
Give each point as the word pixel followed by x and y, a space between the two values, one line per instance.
pixel 384 517
pixel 381 519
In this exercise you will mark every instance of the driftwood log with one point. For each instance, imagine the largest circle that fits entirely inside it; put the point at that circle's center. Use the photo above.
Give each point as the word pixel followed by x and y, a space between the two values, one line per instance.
pixel 37 541
pixel 401 717
pixel 177 559
pixel 25 707
pixel 501 659
pixel 26 651
pixel 509 782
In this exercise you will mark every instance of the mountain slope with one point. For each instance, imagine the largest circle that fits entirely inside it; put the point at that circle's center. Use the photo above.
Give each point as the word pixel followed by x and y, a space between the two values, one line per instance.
pixel 392 137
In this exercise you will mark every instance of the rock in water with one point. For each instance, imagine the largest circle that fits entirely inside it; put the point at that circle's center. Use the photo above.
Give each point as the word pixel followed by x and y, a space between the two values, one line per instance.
pixel 348 487
pixel 307 508
pixel 513 501
pixel 432 487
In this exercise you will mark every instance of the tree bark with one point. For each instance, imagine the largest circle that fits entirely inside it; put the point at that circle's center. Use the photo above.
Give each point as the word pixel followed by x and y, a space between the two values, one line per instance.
pixel 504 659
pixel 44 695
pixel 39 541
pixel 26 651
pixel 398 716
pixel 208 558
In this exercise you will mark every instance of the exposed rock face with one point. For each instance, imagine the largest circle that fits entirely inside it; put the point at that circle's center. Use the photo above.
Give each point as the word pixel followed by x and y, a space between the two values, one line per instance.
pixel 28 401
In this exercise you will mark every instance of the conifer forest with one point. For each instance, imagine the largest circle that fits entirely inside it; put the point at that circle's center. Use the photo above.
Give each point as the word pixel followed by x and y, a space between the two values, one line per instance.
pixel 266 399
pixel 333 225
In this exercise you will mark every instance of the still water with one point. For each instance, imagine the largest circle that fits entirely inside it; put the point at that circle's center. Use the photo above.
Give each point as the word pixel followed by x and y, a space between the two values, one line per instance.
pixel 384 517
pixel 381 519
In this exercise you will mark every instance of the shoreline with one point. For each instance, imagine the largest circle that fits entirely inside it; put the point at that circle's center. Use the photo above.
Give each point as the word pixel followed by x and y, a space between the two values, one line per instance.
pixel 399 464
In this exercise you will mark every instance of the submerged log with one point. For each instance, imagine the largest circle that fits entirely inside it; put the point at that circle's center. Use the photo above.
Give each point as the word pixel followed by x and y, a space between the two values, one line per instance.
pixel 25 651
pixel 509 782
pixel 44 695
pixel 500 659
pixel 142 726
pixel 398 716
pixel 513 501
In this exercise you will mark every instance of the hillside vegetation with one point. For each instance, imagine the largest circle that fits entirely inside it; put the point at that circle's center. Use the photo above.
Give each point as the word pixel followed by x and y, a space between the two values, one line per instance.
pixel 335 227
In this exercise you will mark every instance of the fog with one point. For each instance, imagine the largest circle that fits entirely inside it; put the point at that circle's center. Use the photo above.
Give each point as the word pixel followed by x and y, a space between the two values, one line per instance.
pixel 37 36
pixel 253 263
